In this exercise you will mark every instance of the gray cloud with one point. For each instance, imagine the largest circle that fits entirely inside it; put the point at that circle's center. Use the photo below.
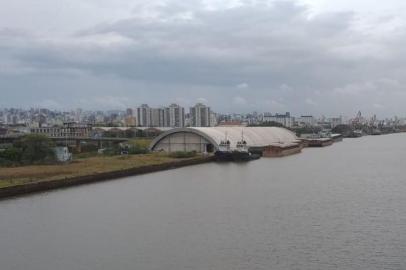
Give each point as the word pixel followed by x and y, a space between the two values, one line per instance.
pixel 172 50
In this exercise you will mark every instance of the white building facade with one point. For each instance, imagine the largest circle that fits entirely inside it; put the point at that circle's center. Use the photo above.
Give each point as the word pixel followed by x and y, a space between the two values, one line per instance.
pixel 306 120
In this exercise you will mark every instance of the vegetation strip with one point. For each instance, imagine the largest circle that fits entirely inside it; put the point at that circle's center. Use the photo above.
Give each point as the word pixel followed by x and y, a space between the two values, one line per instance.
pixel 39 186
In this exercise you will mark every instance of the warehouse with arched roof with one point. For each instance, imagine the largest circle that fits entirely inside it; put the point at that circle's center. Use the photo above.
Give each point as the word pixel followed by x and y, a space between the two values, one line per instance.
pixel 208 139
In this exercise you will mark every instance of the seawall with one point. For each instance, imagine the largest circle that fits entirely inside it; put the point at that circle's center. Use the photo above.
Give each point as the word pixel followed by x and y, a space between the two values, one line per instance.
pixel 73 181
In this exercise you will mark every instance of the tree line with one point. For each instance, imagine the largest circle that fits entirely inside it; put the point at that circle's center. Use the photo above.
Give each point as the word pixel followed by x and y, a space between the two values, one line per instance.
pixel 27 150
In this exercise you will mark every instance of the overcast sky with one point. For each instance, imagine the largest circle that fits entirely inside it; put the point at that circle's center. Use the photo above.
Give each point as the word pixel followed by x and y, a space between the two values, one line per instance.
pixel 319 57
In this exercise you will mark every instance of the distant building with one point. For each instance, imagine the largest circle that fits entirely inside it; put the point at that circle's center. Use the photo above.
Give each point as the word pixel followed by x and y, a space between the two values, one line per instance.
pixel 284 119
pixel 209 139
pixel 130 121
pixel 200 116
pixel 157 117
pixel 174 116
pixel 144 115
pixel 78 115
pixel 129 112
pixel 213 119
pixel 188 120
pixel 70 130
pixel 306 120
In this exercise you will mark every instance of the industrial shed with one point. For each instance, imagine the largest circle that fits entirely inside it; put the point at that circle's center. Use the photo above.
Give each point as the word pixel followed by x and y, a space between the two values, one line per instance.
pixel 207 139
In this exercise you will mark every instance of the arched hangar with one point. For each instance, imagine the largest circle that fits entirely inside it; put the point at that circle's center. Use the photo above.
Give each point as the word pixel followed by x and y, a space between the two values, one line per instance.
pixel 207 139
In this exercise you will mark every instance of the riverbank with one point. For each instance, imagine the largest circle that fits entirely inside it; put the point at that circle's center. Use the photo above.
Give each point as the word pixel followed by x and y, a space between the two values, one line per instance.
pixel 27 179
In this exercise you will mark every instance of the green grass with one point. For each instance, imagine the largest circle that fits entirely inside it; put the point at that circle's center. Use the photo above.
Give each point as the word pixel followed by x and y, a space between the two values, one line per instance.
pixel 182 154
pixel 85 155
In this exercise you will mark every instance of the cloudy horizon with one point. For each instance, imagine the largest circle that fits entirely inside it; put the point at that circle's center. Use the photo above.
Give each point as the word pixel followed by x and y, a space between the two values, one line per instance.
pixel 306 57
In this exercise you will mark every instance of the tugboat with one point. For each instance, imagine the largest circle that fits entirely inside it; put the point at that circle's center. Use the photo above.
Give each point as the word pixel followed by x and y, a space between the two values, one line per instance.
pixel 224 152
pixel 240 153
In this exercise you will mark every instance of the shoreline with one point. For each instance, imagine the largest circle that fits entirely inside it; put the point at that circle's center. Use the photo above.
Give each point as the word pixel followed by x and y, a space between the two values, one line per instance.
pixel 41 186
pixel 68 181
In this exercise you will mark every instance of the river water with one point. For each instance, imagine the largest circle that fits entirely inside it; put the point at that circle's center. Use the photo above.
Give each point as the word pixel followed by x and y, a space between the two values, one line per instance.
pixel 339 207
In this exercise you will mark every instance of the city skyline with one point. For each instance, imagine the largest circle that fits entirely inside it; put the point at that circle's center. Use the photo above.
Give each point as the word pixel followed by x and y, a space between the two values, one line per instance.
pixel 311 56
pixel 176 116
pixel 213 110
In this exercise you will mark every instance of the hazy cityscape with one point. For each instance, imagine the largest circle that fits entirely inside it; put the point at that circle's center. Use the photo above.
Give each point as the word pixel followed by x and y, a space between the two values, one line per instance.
pixel 174 115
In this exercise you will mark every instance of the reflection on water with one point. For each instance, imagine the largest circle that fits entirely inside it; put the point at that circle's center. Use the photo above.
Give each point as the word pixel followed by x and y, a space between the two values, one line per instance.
pixel 341 207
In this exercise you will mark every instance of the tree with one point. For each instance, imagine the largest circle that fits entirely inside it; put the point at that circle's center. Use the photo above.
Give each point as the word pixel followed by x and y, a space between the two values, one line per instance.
pixel 129 133
pixel 36 149
pixel 10 156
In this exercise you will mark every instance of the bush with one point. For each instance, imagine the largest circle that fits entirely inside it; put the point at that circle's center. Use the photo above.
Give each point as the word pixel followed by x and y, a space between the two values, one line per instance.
pixel 12 154
pixel 88 148
pixel 183 154
pixel 138 146
pixel 137 150
pixel 112 151
pixel 5 162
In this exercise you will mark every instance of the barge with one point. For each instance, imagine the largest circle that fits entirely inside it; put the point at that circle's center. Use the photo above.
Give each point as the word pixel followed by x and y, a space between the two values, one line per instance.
pixel 281 150
pixel 319 142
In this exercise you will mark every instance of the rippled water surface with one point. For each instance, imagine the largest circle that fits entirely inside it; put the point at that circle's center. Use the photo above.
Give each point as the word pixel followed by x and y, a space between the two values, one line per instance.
pixel 340 207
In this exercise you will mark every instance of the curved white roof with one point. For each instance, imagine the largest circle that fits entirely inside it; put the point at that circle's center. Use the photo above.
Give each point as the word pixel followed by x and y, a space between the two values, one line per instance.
pixel 254 136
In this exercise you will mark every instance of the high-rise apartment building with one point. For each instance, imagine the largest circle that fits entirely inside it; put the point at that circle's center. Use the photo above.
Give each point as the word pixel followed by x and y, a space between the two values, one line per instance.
pixel 157 117
pixel 144 116
pixel 200 116
pixel 174 116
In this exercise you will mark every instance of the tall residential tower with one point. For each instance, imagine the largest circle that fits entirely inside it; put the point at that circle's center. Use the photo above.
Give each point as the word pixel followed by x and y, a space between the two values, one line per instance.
pixel 200 116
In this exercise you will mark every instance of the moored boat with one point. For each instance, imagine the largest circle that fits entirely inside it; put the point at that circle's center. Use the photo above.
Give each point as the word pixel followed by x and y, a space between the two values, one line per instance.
pixel 239 153
pixel 356 134
pixel 318 140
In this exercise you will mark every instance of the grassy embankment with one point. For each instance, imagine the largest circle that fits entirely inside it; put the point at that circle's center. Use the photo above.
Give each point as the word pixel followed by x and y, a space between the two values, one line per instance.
pixel 86 166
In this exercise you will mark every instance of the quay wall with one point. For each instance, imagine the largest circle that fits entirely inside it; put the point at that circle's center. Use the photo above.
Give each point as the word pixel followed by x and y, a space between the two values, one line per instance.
pixel 73 181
